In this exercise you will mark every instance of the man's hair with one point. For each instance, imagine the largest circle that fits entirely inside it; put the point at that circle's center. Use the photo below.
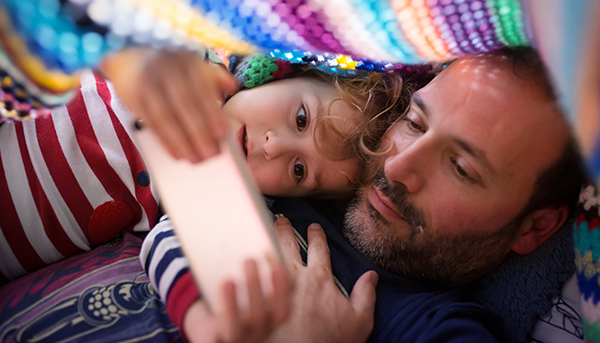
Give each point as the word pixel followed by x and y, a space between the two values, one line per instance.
pixel 527 65
pixel 560 183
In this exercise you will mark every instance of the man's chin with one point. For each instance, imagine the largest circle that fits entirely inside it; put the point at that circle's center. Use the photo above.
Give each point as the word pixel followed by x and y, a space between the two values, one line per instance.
pixel 365 221
pixel 449 260
pixel 366 231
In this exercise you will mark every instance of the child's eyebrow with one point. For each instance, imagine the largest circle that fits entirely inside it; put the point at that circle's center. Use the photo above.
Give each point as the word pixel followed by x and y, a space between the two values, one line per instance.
pixel 314 118
pixel 318 110
pixel 317 172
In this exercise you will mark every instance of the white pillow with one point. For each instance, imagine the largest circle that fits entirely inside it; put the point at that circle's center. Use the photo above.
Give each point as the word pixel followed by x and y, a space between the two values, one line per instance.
pixel 562 324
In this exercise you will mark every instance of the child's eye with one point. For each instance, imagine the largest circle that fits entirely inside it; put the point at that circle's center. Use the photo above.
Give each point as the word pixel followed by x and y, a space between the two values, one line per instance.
pixel 299 170
pixel 301 119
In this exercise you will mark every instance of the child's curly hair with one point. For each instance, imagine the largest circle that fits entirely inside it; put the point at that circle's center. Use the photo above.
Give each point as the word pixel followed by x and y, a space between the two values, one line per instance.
pixel 380 98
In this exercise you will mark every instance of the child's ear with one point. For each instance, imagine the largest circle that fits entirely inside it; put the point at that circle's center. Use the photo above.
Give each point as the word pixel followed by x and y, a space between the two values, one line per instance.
pixel 538 227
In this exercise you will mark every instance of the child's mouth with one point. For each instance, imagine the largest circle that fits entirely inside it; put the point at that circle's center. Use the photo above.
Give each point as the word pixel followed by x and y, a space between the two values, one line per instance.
pixel 245 142
pixel 242 138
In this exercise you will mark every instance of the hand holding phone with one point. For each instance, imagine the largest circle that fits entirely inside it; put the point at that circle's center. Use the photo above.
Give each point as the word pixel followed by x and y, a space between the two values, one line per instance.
pixel 218 213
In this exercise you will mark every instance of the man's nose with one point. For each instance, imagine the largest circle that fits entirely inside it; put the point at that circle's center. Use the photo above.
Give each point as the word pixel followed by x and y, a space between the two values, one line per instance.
pixel 275 145
pixel 406 165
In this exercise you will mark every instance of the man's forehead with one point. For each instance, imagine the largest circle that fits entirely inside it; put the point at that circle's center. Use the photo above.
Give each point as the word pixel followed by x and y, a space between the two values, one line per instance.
pixel 481 101
pixel 478 63
pixel 474 88
pixel 486 74
pixel 487 86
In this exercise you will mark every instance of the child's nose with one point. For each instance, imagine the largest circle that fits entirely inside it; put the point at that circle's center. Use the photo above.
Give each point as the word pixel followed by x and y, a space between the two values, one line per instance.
pixel 276 146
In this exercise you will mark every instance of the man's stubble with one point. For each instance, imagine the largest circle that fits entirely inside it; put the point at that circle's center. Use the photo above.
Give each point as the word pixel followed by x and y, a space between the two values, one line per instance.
pixel 421 252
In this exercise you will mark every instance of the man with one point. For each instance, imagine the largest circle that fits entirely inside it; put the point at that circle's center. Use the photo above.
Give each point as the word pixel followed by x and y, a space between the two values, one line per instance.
pixel 482 164
pixel 469 173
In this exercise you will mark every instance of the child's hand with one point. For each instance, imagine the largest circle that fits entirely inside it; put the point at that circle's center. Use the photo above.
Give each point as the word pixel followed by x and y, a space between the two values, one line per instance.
pixel 177 94
pixel 253 324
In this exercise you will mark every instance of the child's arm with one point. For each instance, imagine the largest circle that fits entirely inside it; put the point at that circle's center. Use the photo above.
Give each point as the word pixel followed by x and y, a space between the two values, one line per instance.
pixel 168 270
pixel 178 94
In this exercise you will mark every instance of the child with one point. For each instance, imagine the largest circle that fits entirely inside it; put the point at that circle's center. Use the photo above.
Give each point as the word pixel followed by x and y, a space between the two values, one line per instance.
pixel 302 136
pixel 81 173
pixel 300 128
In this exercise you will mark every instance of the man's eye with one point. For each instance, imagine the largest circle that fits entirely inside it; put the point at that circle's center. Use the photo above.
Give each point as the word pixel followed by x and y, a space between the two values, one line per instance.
pixel 416 126
pixel 413 124
pixel 460 170
pixel 299 170
pixel 301 119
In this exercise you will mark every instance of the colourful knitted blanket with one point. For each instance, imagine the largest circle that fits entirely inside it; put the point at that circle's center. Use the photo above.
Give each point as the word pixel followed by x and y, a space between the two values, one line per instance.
pixel 44 43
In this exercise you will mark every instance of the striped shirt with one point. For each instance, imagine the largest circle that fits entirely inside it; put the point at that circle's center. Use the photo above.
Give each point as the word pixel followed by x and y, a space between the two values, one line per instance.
pixel 169 270
pixel 70 180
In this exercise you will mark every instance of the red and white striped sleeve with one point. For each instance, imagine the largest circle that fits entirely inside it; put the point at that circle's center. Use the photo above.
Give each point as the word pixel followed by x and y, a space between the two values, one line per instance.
pixel 70 180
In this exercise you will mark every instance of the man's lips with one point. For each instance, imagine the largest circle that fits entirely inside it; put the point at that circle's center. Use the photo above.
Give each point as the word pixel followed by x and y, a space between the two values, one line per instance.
pixel 383 205
pixel 242 139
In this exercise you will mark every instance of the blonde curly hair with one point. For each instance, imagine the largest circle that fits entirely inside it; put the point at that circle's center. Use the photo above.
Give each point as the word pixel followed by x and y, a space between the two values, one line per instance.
pixel 380 98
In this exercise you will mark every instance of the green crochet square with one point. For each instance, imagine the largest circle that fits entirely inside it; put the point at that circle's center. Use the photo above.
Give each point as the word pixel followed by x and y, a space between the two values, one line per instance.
pixel 259 71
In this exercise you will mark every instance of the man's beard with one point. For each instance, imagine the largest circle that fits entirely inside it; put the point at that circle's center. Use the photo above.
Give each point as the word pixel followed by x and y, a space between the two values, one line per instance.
pixel 444 257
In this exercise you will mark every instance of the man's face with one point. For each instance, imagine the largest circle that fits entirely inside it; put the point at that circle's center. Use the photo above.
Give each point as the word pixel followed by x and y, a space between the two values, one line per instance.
pixel 462 165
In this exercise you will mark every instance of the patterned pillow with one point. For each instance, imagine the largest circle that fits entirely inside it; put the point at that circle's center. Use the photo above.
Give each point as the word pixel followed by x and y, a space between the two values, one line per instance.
pixel 99 296
pixel 563 323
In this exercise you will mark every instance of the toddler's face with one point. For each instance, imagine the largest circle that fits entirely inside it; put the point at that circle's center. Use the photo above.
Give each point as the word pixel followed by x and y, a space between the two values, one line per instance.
pixel 275 126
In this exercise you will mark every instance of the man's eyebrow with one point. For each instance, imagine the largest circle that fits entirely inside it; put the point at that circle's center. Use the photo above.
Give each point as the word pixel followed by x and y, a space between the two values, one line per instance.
pixel 477 153
pixel 418 100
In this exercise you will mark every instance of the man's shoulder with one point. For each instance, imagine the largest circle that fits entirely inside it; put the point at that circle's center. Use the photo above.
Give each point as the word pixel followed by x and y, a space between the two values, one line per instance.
pixel 433 315
pixel 406 310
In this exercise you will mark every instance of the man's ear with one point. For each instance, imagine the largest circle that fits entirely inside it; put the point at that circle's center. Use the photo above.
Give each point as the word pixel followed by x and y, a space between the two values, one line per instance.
pixel 538 227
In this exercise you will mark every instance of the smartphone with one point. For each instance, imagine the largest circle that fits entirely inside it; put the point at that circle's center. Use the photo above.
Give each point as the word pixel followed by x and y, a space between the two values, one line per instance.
pixel 219 215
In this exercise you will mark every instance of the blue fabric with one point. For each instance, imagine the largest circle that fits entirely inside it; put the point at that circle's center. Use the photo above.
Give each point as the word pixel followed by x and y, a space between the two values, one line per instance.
pixel 522 287
pixel 406 310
